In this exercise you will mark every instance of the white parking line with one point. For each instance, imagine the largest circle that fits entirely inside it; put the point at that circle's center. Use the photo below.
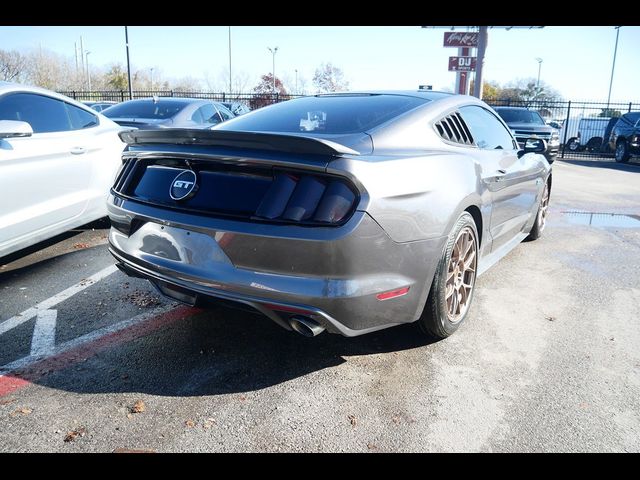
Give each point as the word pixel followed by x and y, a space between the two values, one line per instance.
pixel 89 337
pixel 28 314
pixel 44 333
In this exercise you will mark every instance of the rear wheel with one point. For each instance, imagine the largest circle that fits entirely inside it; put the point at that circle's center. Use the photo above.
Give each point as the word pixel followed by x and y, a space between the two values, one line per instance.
pixel 622 151
pixel 454 281
pixel 541 217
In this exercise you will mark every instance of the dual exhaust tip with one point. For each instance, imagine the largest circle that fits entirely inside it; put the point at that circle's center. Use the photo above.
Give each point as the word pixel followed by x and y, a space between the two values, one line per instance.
pixel 305 326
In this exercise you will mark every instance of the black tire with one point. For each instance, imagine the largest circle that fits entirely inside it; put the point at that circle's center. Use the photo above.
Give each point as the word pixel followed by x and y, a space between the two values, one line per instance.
pixel 541 216
pixel 622 151
pixel 435 320
pixel 573 145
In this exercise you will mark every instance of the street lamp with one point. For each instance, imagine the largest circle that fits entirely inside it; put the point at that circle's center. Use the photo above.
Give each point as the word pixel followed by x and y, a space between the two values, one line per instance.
pixel 613 67
pixel 273 71
pixel 88 71
pixel 539 60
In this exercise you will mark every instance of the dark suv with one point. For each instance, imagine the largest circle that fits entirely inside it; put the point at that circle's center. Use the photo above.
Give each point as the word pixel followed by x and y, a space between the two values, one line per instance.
pixel 625 137
pixel 525 123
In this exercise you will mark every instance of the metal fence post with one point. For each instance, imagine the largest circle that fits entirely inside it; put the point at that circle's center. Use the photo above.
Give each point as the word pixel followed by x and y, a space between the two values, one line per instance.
pixel 629 107
pixel 172 93
pixel 122 95
pixel 566 129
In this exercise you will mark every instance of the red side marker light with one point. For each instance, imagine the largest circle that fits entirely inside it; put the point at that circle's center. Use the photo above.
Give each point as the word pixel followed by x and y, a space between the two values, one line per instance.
pixel 393 293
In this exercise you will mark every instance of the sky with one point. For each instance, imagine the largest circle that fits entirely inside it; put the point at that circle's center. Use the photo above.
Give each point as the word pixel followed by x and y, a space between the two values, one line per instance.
pixel 576 60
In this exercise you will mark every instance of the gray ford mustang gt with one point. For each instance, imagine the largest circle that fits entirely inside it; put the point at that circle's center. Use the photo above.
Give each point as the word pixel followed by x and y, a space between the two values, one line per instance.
pixel 343 212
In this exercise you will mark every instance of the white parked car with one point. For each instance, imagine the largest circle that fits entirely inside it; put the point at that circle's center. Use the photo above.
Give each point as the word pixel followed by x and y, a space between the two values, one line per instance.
pixel 58 159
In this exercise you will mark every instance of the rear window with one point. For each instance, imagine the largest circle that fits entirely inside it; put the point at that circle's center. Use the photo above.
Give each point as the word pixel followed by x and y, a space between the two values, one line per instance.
pixel 145 109
pixel 521 116
pixel 325 114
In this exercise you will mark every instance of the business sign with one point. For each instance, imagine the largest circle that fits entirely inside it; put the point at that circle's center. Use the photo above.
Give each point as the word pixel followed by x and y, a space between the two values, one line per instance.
pixel 462 64
pixel 460 39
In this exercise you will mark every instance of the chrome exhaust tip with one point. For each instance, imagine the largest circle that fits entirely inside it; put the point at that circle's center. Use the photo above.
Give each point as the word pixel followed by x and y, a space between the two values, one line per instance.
pixel 305 326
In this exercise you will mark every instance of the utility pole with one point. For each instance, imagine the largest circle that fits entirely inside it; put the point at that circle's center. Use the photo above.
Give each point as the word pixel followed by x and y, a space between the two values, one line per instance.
pixel 273 71
pixel 230 87
pixel 296 81
pixel 613 67
pixel 483 38
pixel 88 71
pixel 75 49
pixel 82 60
pixel 152 78
pixel 126 39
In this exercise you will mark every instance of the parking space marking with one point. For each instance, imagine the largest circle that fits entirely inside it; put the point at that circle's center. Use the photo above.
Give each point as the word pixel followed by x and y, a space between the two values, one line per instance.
pixel 26 370
pixel 50 302
pixel 43 341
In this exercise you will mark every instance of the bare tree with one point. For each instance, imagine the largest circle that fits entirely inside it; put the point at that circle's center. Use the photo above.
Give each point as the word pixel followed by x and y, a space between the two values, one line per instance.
pixel 328 78
pixel 12 65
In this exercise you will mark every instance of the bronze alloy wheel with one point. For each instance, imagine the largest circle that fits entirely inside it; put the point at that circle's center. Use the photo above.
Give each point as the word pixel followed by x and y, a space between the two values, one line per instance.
pixel 544 209
pixel 461 274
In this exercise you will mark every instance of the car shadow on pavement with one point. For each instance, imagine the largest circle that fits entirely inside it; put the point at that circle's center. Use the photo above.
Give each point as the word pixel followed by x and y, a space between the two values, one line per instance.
pixel 221 351
pixel 604 163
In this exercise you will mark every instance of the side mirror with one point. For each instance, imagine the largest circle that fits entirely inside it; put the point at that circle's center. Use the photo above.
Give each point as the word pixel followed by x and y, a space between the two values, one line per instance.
pixel 533 145
pixel 13 128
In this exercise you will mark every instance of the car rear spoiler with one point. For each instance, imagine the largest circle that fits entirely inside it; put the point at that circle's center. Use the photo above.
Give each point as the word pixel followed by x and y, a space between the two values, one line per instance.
pixel 290 143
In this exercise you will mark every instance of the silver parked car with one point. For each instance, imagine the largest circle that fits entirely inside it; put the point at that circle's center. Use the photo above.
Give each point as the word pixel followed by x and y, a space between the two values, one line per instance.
pixel 381 212
pixel 168 112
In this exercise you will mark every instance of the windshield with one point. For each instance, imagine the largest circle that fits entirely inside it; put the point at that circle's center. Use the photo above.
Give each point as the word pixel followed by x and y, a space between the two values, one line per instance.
pixel 521 116
pixel 338 114
pixel 145 109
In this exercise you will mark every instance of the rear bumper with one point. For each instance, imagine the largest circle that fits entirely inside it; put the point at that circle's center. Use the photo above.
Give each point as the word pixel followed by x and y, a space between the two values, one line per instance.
pixel 331 274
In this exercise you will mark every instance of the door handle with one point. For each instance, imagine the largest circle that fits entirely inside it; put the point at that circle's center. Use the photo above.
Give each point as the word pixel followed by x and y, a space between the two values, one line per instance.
pixel 77 150
pixel 499 174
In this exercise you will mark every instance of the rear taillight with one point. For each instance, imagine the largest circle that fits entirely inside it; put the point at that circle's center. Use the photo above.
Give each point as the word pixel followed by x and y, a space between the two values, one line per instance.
pixel 249 193
pixel 307 199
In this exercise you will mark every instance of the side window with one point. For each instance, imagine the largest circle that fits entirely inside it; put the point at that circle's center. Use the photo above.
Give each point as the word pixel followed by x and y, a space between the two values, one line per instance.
pixel 80 118
pixel 197 116
pixel 44 114
pixel 486 129
pixel 226 114
pixel 210 114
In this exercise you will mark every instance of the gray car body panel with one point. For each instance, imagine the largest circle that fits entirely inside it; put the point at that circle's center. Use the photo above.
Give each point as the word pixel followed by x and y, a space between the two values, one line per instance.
pixel 413 187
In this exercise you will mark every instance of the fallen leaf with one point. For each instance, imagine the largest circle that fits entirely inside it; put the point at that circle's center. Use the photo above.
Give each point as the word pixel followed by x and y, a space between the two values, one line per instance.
pixel 352 419
pixel 80 245
pixel 208 423
pixel 133 450
pixel 73 434
pixel 22 411
pixel 242 398
pixel 7 402
pixel 129 415
pixel 395 419
pixel 190 423
pixel 550 318
pixel 371 446
pixel 138 407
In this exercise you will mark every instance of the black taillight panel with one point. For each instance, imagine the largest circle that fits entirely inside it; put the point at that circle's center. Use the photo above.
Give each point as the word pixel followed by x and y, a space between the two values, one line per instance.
pixel 262 194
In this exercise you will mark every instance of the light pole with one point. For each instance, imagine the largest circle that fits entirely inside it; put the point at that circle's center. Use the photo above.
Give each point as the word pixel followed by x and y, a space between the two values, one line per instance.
pixel 230 87
pixel 273 71
pixel 613 67
pixel 126 39
pixel 151 78
pixel 88 71
pixel 539 60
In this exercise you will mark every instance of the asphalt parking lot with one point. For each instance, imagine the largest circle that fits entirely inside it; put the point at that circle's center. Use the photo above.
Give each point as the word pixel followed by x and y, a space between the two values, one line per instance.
pixel 547 361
